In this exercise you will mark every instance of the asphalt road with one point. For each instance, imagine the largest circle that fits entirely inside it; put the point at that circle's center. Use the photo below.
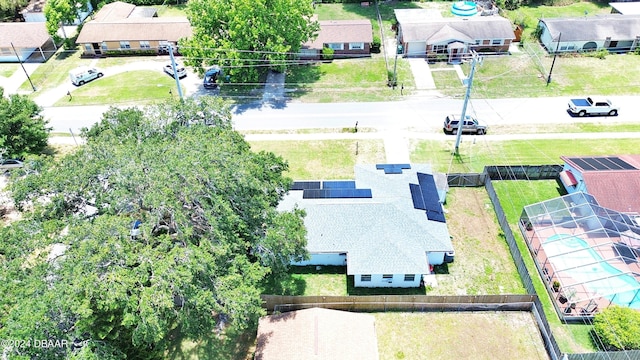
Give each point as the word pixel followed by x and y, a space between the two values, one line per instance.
pixel 413 114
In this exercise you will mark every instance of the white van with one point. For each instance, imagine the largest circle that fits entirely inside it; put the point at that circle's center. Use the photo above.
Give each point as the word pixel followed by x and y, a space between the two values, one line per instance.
pixel 82 75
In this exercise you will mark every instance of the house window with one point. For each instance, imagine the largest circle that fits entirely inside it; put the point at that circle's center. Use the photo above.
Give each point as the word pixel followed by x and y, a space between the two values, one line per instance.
pixel 144 45
pixel 88 47
pixel 496 42
pixel 125 45
pixel 104 46
pixel 387 277
pixel 478 42
pixel 365 278
pixel 6 51
pixel 336 46
pixel 409 277
pixel 563 48
pixel 440 49
pixel 356 46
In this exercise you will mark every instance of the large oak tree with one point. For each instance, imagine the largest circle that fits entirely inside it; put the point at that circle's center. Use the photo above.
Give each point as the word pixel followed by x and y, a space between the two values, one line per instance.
pixel 23 130
pixel 165 222
pixel 247 37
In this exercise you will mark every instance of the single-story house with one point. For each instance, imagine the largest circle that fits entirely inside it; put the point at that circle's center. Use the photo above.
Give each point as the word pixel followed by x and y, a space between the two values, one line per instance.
pixel 31 41
pixel 34 12
pixel 317 333
pixel 120 27
pixel 625 8
pixel 387 227
pixel 613 32
pixel 347 38
pixel 422 34
pixel 613 180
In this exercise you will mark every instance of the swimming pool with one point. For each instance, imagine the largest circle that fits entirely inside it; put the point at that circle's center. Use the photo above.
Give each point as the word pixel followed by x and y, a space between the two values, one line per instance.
pixel 574 257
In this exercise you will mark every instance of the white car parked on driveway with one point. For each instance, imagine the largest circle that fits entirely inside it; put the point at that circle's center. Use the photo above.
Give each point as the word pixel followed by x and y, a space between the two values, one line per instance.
pixel 182 72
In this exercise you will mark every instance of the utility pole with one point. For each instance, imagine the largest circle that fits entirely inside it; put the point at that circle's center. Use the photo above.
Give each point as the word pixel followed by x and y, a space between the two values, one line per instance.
pixel 475 60
pixel 554 59
pixel 23 69
pixel 175 72
pixel 395 64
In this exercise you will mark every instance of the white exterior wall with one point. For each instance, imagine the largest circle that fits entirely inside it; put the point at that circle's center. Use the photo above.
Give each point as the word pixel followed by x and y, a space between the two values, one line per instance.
pixel 337 259
pixel 435 258
pixel 377 280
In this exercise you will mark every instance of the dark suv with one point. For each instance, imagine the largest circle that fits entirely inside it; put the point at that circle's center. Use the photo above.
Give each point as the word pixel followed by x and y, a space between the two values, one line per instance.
pixel 471 125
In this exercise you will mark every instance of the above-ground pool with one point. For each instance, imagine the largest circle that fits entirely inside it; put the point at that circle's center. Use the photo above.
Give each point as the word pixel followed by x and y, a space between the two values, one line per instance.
pixel 464 8
pixel 575 258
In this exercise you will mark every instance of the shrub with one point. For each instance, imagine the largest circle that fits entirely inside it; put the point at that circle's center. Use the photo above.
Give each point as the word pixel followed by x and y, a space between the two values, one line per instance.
pixel 600 54
pixel 618 328
pixel 375 45
pixel 327 53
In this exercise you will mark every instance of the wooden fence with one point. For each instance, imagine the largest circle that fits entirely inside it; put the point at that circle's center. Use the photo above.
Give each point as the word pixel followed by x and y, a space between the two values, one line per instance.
pixel 278 303
pixel 513 172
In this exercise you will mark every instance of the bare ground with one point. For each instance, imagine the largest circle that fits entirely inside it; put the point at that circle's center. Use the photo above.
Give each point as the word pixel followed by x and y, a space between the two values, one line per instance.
pixel 486 335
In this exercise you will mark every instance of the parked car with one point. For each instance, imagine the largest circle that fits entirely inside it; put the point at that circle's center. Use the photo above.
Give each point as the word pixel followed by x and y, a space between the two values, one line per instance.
pixel 471 125
pixel 211 77
pixel 182 72
pixel 592 106
pixel 10 164
pixel 82 75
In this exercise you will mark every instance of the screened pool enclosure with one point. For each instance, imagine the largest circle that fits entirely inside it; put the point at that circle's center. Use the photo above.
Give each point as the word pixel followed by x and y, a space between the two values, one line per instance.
pixel 586 254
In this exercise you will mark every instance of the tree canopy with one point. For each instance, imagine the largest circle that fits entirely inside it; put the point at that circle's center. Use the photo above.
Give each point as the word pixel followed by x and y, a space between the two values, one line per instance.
pixel 23 130
pixel 618 328
pixel 165 221
pixel 247 37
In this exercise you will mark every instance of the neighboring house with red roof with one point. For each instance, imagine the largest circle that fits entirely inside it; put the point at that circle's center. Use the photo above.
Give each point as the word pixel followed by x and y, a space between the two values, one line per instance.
pixel 317 333
pixel 613 180
pixel 425 33
pixel 347 38
pixel 125 28
pixel 31 41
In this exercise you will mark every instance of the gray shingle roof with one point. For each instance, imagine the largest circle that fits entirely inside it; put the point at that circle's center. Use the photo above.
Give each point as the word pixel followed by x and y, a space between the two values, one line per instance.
pixel 383 234
pixel 477 27
pixel 599 27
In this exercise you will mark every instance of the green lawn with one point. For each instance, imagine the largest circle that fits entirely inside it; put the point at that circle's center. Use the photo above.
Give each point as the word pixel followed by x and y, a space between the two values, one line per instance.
pixel 333 159
pixel 346 80
pixel 124 88
pixel 7 70
pixel 514 196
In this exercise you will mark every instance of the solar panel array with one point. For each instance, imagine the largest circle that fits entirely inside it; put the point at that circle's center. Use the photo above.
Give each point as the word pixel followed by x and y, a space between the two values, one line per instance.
pixel 343 189
pixel 392 168
pixel 602 163
pixel 425 197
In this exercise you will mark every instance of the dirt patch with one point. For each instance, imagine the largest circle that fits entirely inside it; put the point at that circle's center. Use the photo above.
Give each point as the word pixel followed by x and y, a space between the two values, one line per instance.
pixel 483 263
pixel 463 335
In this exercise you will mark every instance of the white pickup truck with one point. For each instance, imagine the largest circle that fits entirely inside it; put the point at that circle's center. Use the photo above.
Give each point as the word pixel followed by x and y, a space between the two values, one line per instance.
pixel 591 106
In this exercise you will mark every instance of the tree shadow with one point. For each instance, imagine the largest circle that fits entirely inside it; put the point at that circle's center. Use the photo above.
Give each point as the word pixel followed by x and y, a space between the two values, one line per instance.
pixel 299 77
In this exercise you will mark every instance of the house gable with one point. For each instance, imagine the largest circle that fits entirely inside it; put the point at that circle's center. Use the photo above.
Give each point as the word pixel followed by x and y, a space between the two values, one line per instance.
pixel 611 186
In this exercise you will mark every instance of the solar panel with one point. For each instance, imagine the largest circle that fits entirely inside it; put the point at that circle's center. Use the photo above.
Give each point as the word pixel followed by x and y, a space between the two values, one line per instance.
pixel 416 196
pixel 581 163
pixel 336 193
pixel 436 216
pixel 338 184
pixel 303 185
pixel 595 163
pixel 623 164
pixel 610 164
pixel 393 168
